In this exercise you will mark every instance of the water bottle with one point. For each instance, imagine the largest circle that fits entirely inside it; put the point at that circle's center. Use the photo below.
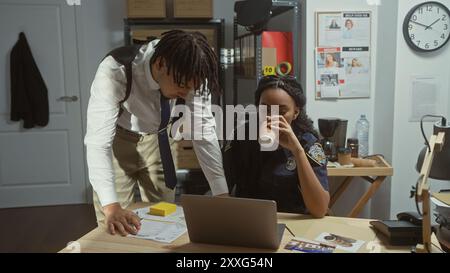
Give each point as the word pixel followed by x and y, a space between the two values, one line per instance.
pixel 362 132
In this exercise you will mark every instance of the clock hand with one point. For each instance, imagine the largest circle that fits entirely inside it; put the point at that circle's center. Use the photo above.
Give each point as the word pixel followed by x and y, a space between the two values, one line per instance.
pixel 419 24
pixel 429 27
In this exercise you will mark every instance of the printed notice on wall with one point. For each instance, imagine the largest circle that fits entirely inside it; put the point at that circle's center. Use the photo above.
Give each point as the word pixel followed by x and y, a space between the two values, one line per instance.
pixel 343 29
pixel 425 98
pixel 349 35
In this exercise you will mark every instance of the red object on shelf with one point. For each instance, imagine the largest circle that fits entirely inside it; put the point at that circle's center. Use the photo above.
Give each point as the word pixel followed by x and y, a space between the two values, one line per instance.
pixel 282 42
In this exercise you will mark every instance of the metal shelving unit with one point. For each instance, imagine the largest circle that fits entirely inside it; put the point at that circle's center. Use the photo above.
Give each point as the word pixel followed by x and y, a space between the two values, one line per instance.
pixel 280 10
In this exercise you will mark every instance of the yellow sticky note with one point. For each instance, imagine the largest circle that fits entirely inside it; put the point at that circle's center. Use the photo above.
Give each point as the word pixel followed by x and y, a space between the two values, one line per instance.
pixel 162 209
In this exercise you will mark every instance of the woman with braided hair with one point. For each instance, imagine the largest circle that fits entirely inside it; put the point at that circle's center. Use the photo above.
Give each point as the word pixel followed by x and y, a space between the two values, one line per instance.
pixel 295 174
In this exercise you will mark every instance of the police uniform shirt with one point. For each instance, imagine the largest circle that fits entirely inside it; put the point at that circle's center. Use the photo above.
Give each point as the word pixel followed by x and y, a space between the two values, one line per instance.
pixel 273 175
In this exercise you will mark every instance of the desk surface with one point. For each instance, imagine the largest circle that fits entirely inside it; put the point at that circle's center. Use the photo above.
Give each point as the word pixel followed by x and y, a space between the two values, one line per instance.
pixel 99 240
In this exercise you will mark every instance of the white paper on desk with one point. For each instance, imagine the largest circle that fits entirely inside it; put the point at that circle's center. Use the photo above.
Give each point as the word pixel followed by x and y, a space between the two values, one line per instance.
pixel 176 217
pixel 341 242
pixel 165 232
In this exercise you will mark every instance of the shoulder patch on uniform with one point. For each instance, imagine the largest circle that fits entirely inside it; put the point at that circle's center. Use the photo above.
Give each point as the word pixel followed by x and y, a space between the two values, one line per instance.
pixel 316 153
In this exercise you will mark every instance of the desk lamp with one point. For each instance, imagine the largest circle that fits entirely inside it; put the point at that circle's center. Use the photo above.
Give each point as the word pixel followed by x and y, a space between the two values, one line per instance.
pixel 433 162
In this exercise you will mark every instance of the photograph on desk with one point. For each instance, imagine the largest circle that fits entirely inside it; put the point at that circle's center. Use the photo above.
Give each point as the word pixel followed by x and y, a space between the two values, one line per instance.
pixel 340 242
pixel 308 246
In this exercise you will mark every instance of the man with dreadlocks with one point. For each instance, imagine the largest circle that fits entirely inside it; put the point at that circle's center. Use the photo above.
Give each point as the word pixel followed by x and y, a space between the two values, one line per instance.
pixel 132 97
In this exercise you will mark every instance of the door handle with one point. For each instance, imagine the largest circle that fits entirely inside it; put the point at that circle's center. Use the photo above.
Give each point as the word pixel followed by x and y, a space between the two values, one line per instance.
pixel 68 98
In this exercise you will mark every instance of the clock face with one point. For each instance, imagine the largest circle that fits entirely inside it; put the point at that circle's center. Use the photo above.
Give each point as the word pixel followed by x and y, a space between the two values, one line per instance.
pixel 427 27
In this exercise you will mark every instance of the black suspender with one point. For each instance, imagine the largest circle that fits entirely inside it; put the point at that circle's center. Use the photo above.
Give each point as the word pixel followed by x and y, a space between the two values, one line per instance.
pixel 125 56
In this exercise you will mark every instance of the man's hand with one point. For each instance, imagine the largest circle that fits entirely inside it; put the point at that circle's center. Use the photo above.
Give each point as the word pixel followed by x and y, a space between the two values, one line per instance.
pixel 120 220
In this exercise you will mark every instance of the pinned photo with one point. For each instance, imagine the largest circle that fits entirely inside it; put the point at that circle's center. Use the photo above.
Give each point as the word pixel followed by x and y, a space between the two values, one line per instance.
pixel 329 60
pixel 329 79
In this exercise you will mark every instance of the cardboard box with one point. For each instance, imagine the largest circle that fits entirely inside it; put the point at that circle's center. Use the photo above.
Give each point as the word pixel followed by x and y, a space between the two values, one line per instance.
pixel 143 34
pixel 146 8
pixel 186 158
pixel 193 8
pixel 269 57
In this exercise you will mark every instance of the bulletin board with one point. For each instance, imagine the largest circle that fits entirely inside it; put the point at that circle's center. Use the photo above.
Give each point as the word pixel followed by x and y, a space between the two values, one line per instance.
pixel 343 54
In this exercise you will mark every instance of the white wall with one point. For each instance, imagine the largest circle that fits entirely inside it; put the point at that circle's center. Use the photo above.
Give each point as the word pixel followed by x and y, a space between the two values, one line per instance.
pixel 100 24
pixel 407 138
pixel 383 123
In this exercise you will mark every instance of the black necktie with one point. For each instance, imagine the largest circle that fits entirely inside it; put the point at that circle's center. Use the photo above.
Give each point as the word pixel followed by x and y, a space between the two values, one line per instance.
pixel 164 146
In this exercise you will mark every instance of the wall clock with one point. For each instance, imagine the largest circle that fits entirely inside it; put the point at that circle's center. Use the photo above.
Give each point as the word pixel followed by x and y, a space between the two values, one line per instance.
pixel 426 27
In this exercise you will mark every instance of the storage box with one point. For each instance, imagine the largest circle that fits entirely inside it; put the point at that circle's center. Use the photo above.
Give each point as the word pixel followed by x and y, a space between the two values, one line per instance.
pixel 269 60
pixel 146 8
pixel 192 8
pixel 143 34
pixel 186 157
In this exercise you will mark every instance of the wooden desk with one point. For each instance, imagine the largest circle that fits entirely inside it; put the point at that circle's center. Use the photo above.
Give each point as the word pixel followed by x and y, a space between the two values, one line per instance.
pixel 374 175
pixel 99 240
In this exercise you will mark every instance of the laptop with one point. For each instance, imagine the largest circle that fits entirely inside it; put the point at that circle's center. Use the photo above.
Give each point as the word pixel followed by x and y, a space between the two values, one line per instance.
pixel 232 221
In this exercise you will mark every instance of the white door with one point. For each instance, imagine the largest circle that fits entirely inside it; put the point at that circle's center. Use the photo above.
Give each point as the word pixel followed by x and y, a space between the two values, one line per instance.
pixel 42 166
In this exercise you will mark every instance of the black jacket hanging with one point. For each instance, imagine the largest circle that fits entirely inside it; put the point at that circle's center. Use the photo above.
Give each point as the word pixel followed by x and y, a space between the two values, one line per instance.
pixel 29 95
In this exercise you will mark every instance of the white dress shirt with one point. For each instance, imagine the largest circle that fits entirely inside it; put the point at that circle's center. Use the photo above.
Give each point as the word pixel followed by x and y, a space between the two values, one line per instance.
pixel 141 115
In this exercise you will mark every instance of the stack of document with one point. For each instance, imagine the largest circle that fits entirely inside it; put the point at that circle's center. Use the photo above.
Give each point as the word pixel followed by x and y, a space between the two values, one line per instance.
pixel 165 229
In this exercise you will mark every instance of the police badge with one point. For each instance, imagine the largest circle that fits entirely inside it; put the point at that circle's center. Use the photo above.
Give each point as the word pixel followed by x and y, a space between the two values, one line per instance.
pixel 317 154
pixel 291 164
